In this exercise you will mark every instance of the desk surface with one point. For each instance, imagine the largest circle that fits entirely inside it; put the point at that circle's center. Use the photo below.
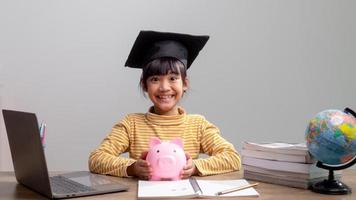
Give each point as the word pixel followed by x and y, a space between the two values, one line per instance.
pixel 10 189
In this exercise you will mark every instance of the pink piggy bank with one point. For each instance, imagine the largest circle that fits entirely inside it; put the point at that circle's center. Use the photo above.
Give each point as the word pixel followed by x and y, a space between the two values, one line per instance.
pixel 167 159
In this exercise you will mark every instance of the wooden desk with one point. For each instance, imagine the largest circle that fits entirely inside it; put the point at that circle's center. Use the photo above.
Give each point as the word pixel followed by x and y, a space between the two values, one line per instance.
pixel 10 189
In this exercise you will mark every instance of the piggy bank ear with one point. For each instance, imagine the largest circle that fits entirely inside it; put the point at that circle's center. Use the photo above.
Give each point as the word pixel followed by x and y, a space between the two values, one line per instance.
pixel 154 141
pixel 178 142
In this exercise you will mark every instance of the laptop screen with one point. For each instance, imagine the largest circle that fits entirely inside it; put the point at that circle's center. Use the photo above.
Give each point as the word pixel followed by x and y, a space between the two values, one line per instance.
pixel 26 150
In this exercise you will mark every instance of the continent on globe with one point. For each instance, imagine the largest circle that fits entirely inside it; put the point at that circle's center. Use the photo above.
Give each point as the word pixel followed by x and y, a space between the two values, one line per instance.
pixel 331 137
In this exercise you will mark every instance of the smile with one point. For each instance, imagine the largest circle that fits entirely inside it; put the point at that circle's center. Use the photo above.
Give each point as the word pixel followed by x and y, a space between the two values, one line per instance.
pixel 165 97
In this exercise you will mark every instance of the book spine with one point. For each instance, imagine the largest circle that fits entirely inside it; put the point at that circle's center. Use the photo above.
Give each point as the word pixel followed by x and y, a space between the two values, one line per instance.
pixel 194 183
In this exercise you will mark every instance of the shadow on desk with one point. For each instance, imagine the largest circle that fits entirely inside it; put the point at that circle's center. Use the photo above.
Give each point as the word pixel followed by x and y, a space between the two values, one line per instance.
pixel 13 190
pixel 10 189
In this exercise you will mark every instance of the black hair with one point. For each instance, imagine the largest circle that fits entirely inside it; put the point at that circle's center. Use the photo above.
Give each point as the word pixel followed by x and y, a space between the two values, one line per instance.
pixel 162 66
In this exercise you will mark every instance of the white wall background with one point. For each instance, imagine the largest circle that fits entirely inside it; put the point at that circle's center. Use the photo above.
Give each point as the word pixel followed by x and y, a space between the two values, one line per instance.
pixel 268 67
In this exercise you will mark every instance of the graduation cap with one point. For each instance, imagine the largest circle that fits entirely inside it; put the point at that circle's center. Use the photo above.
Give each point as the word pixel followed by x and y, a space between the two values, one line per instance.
pixel 150 45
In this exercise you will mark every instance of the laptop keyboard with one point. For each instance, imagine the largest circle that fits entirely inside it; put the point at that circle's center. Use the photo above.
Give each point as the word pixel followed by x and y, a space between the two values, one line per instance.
pixel 62 185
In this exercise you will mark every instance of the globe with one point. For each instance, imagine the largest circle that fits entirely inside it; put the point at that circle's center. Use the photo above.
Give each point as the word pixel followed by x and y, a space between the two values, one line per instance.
pixel 331 139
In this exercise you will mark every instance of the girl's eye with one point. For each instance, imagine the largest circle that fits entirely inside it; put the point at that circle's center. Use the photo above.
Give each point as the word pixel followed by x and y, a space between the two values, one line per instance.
pixel 154 79
pixel 174 78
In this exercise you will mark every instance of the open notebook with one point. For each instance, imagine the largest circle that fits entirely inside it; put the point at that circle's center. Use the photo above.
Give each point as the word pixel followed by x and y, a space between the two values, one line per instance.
pixel 191 188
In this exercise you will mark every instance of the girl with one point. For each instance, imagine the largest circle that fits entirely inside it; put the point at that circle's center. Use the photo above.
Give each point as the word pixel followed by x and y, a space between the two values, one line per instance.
pixel 164 59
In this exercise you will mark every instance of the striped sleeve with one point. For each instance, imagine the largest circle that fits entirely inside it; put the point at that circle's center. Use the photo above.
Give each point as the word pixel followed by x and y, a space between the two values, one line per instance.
pixel 106 158
pixel 222 155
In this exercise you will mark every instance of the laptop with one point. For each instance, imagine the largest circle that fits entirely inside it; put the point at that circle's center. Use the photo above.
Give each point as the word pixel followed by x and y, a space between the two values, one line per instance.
pixel 31 169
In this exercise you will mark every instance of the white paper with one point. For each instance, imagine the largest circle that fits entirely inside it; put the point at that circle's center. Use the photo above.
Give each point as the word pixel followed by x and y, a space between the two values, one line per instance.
pixel 183 188
pixel 162 189
pixel 211 187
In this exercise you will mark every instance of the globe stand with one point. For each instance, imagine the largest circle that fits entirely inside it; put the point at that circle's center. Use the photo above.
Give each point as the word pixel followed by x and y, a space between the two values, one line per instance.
pixel 330 185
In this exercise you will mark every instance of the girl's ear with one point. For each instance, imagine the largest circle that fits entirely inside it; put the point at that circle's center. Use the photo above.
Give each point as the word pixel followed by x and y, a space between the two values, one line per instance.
pixel 144 88
pixel 185 84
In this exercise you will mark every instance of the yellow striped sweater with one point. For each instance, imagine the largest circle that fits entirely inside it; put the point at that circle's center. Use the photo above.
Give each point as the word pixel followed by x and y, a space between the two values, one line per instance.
pixel 132 134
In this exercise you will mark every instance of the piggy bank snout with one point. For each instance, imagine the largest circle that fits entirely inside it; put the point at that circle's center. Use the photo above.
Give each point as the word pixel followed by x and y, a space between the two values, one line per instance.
pixel 166 161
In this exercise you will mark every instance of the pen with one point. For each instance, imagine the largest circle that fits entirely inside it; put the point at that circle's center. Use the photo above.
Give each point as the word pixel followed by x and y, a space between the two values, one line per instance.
pixel 43 134
pixel 41 130
pixel 235 189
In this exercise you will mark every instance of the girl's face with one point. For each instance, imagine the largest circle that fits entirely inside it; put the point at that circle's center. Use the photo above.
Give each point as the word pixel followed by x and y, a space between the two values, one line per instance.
pixel 165 91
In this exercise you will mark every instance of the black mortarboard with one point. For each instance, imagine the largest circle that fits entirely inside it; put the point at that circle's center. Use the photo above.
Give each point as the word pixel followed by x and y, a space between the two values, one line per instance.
pixel 150 45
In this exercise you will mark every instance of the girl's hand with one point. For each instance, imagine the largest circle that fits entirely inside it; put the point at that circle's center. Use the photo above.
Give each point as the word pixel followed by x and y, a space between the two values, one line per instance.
pixel 189 169
pixel 141 168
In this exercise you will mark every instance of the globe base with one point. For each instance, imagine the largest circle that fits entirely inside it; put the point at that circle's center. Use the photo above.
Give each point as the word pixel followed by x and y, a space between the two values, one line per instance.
pixel 331 187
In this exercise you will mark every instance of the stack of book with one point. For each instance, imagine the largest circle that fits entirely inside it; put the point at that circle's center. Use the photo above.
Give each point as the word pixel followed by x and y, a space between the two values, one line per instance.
pixel 281 163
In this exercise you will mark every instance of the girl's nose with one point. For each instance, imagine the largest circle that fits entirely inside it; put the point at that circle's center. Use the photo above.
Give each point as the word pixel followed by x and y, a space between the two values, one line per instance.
pixel 164 85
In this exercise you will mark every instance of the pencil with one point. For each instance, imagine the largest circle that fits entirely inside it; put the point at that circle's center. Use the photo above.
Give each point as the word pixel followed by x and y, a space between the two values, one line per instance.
pixel 236 189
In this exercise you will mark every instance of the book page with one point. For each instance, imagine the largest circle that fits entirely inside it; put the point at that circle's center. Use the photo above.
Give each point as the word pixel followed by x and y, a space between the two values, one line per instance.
pixel 165 189
pixel 211 187
pixel 278 165
pixel 277 156
pixel 279 147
